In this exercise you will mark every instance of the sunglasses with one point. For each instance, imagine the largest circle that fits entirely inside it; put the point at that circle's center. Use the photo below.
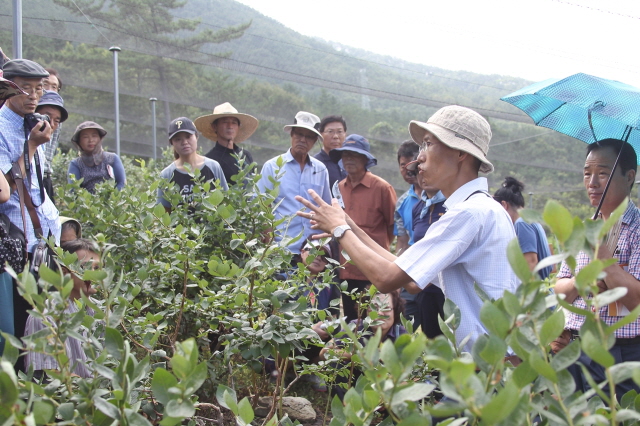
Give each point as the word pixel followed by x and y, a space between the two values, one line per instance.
pixel 412 168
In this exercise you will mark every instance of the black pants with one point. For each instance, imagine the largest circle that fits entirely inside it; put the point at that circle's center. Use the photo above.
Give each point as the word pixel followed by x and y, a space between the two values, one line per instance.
pixel 349 306
pixel 430 303
pixel 48 186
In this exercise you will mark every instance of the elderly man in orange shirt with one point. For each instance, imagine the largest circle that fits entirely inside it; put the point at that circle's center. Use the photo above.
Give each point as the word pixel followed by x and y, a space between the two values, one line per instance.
pixel 369 200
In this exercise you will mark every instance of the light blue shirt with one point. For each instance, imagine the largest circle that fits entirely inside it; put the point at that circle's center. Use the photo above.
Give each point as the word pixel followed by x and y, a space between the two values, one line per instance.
pixel 11 148
pixel 402 217
pixel 467 245
pixel 294 181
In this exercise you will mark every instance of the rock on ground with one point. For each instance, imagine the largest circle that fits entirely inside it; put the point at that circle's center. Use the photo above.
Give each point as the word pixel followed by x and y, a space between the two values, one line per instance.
pixel 295 407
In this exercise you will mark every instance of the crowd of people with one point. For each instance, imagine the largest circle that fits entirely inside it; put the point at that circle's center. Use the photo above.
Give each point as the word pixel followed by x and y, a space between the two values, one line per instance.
pixel 451 234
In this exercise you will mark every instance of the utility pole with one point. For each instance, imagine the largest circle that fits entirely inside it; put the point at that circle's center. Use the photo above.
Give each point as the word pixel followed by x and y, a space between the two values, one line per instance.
pixel 153 126
pixel 17 29
pixel 116 95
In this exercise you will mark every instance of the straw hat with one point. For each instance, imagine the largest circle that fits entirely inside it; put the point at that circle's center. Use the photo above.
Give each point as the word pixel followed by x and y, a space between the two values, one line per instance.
pixel 248 123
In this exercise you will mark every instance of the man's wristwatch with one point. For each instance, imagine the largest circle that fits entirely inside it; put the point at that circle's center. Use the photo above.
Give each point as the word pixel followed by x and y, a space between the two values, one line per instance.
pixel 339 231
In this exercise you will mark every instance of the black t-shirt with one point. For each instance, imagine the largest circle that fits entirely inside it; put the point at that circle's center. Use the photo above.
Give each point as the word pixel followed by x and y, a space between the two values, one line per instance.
pixel 229 164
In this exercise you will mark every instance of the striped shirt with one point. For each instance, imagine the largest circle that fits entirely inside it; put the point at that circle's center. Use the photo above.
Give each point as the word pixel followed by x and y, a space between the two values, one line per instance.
pixel 627 253
pixel 73 347
pixel 467 246
pixel 11 148
pixel 50 149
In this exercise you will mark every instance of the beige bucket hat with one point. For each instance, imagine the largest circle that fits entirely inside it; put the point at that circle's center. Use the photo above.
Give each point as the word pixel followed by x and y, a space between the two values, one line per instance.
pixel 248 123
pixel 459 128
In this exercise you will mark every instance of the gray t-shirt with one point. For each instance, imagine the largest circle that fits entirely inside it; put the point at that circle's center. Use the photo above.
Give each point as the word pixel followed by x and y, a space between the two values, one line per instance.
pixel 210 170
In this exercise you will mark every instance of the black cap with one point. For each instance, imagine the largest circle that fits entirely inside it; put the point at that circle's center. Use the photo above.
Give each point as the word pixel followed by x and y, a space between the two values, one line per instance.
pixel 181 124
pixel 53 98
pixel 23 68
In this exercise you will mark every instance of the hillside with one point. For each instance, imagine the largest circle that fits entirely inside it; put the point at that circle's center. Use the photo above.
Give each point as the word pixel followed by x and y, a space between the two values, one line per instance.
pixel 272 72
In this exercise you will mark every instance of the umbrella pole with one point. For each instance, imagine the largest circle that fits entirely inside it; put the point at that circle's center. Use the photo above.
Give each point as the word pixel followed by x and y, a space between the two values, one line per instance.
pixel 615 166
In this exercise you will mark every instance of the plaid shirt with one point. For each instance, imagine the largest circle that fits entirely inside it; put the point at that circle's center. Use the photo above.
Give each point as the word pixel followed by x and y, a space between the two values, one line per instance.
pixel 627 253
pixel 50 150
pixel 11 148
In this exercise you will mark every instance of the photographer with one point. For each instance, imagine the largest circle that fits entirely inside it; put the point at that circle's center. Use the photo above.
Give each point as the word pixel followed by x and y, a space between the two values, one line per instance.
pixel 52 105
pixel 16 136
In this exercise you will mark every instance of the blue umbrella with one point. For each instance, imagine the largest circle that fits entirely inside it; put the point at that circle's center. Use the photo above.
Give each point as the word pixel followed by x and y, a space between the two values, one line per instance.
pixel 584 107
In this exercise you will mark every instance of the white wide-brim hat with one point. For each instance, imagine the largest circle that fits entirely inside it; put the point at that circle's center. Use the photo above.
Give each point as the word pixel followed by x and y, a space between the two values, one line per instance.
pixel 248 123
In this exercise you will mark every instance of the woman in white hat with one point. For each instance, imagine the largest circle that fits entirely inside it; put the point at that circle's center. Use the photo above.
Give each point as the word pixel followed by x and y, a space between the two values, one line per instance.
pixel 183 137
pixel 227 128
pixel 94 165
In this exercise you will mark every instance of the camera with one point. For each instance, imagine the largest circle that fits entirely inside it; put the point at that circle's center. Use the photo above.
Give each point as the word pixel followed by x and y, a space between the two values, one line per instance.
pixel 30 120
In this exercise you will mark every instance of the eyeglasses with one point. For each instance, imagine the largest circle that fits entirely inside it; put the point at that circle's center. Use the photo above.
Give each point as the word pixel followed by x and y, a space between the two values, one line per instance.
pixel 334 132
pixel 308 138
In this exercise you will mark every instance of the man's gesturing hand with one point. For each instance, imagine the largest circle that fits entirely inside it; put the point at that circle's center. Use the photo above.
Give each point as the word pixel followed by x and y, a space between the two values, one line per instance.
pixel 322 215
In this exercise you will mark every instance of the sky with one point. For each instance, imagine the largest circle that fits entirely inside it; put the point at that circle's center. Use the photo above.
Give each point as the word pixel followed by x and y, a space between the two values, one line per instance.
pixel 533 39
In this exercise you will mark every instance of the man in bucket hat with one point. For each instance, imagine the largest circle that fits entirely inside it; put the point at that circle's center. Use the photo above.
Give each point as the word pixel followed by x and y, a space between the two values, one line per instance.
pixel 227 128
pixel 297 172
pixel 370 202
pixel 467 246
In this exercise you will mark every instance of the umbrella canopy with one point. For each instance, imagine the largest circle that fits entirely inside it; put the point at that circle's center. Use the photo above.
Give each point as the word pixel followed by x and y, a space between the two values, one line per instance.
pixel 583 106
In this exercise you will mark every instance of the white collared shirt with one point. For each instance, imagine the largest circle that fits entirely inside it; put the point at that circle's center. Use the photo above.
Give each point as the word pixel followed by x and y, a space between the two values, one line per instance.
pixel 467 245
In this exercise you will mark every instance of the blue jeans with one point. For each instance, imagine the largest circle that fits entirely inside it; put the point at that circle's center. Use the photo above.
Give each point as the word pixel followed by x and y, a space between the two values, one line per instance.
pixel 6 307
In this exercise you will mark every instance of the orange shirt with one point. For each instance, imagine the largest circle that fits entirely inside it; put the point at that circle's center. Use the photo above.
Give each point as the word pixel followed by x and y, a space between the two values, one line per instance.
pixel 370 204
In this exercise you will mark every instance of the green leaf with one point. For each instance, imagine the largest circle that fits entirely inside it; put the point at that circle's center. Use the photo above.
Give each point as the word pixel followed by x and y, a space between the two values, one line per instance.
pixel 589 274
pixel 610 296
pixel 558 219
pixel 180 408
pixel 197 377
pixel 161 383
pixel 494 350
pixel 524 375
pixel 567 356
pixel 414 419
pixel 517 261
pixel 221 396
pixel 43 411
pixel 413 392
pixel 50 276
pixel 113 342
pixel 215 197
pixel 91 275
pixel 245 412
pixel 552 327
pixel 595 349
pixel 494 320
pixel 501 405
pixel 66 410
pixel 539 365
pixel 158 210
pixel 8 390
pixel 106 408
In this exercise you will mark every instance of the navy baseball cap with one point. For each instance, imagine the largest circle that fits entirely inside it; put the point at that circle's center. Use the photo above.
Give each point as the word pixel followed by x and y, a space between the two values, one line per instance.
pixel 181 124
pixel 23 68
pixel 53 98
